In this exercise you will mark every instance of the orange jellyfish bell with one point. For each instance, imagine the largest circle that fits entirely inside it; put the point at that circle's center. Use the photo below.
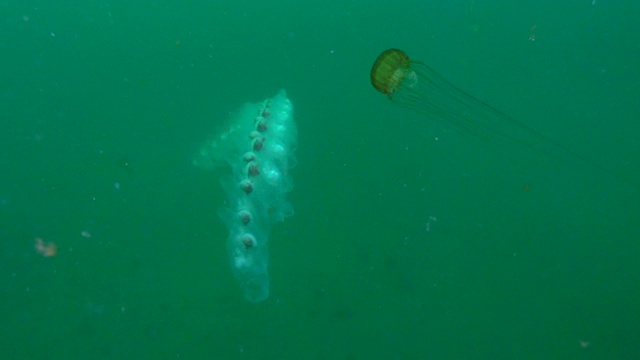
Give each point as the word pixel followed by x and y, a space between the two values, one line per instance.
pixel 390 70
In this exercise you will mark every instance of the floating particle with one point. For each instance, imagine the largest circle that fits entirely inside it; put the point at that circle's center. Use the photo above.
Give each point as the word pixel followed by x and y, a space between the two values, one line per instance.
pixel 46 249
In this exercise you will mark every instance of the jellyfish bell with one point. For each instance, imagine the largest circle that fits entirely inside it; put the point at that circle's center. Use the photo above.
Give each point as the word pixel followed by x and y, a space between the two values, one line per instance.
pixel 390 70
pixel 414 85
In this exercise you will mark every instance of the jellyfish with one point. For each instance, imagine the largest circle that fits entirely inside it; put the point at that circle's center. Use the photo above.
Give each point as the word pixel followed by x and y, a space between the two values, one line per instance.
pixel 412 84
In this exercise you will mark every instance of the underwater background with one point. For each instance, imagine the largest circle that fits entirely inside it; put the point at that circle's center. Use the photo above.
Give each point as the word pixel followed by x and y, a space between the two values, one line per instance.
pixel 410 239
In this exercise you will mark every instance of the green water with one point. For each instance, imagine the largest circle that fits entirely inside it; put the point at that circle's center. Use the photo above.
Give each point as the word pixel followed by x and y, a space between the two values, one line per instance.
pixel 410 240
